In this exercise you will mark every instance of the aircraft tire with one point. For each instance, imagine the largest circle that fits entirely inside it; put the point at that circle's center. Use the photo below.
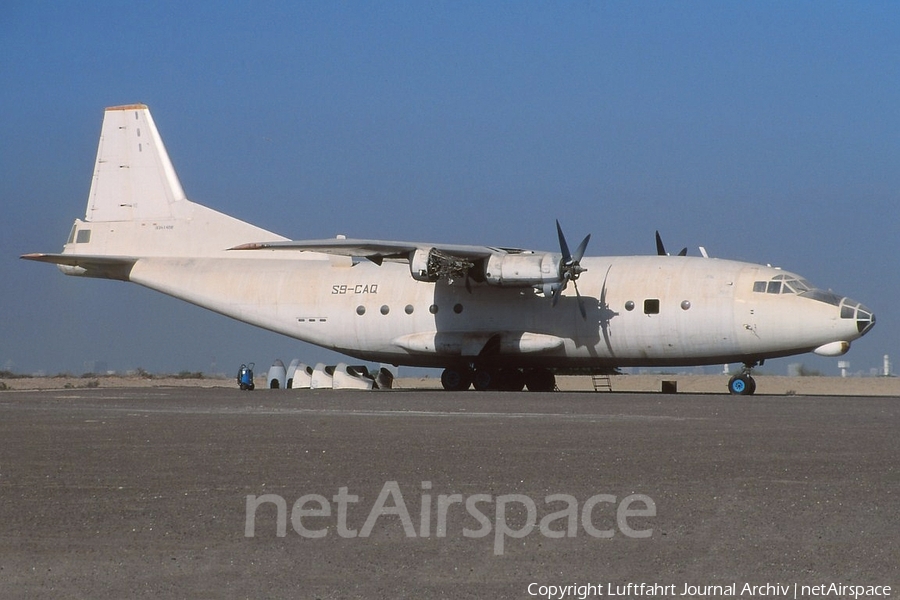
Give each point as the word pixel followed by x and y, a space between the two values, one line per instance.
pixel 741 385
pixel 485 379
pixel 456 380
pixel 512 380
pixel 540 380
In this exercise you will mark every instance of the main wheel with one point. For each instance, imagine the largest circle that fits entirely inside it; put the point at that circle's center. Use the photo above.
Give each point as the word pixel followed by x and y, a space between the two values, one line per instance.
pixel 456 380
pixel 485 379
pixel 512 380
pixel 741 385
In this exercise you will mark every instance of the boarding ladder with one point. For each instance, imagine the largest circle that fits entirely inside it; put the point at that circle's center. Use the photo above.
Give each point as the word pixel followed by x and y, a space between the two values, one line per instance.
pixel 602 383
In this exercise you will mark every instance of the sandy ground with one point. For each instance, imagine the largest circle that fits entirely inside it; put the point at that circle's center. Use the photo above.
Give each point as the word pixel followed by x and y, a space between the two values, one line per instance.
pixel 113 493
pixel 694 384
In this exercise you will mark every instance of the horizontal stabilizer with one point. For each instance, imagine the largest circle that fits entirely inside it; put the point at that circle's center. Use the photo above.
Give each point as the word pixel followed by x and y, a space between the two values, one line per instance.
pixel 107 267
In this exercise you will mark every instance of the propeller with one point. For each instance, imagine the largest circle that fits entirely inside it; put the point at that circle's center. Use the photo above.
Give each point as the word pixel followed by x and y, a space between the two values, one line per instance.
pixel 661 250
pixel 570 268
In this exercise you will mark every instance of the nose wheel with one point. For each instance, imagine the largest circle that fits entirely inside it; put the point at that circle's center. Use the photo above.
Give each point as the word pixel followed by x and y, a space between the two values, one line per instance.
pixel 743 384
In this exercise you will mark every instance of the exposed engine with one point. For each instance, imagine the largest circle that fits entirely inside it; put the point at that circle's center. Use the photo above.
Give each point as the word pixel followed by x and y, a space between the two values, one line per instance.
pixel 510 270
pixel 430 264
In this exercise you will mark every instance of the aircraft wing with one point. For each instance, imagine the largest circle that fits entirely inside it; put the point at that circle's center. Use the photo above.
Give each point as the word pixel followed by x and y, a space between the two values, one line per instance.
pixel 378 250
pixel 513 267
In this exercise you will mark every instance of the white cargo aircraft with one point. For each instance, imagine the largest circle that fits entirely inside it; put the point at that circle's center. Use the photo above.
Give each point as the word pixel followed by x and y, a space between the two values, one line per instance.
pixel 498 318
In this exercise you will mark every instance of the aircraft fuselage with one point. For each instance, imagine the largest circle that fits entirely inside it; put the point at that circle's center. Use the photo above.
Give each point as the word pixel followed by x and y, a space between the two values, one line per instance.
pixel 641 310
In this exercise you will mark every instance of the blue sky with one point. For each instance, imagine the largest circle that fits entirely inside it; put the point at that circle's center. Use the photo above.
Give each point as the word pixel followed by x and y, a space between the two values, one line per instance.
pixel 766 132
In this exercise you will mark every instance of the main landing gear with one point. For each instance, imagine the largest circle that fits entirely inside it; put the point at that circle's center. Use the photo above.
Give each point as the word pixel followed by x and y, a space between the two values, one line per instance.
pixel 457 379
pixel 743 384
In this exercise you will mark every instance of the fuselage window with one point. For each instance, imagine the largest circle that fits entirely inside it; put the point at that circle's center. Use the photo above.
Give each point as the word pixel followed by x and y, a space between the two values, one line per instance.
pixel 457 308
pixel 629 305
pixel 360 310
pixel 651 306
pixel 83 236
pixel 385 309
pixel 409 309
pixel 433 309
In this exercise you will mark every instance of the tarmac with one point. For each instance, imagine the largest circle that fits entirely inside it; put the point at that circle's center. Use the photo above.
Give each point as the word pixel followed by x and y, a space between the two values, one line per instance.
pixel 175 492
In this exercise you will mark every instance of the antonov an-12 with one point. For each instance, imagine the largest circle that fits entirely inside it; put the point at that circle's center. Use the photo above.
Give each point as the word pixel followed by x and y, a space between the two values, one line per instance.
pixel 495 318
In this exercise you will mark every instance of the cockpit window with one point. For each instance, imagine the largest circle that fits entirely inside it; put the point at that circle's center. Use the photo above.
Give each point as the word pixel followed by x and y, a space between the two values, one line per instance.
pixel 791 284
pixel 801 285
pixel 823 296
pixel 782 284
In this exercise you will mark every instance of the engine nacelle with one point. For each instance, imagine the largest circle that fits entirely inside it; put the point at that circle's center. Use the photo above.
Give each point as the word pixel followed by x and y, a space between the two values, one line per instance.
pixel 526 269
pixel 431 264
pixel 511 270
pixel 419 265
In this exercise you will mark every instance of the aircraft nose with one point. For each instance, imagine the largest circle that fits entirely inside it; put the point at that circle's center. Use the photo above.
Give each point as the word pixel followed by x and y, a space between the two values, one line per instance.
pixel 865 318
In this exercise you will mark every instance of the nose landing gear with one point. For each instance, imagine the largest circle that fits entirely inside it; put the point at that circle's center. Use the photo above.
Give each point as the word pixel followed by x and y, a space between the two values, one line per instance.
pixel 743 384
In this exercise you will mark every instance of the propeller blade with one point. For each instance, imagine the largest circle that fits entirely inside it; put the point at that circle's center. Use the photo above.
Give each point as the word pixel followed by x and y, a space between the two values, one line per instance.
pixel 557 292
pixel 579 251
pixel 660 249
pixel 563 246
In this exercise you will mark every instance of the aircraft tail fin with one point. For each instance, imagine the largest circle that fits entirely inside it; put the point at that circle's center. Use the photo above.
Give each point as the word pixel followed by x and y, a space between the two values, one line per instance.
pixel 133 176
pixel 137 207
